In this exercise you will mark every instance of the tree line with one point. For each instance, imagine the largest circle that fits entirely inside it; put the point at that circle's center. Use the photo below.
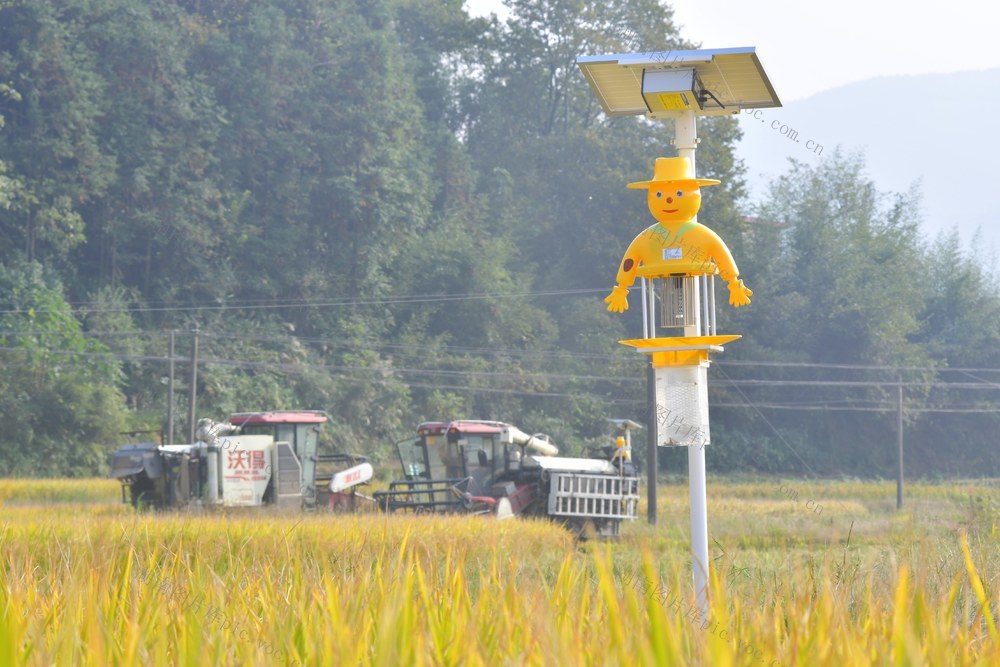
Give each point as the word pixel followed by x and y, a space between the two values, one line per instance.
pixel 394 211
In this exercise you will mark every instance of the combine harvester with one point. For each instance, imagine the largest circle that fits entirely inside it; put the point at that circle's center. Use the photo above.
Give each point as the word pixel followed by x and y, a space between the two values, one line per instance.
pixel 251 460
pixel 493 467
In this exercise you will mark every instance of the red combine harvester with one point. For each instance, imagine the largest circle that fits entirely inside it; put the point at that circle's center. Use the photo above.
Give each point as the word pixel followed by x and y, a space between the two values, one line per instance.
pixel 494 467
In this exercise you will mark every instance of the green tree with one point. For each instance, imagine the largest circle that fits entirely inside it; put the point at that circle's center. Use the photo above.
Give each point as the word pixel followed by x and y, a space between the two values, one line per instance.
pixel 58 394
pixel 845 273
pixel 162 224
pixel 52 123
pixel 837 270
pixel 958 324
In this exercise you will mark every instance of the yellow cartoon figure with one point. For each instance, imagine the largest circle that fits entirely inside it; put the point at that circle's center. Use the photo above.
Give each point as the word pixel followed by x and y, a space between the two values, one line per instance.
pixel 677 242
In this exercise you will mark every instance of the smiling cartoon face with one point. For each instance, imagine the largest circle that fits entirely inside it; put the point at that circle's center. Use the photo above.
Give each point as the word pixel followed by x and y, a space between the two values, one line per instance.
pixel 673 201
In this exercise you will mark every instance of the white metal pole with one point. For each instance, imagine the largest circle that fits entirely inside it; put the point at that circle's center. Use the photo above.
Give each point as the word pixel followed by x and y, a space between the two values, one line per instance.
pixel 699 523
pixel 651 291
pixel 711 305
pixel 645 311
pixel 686 141
pixel 706 323
pixel 696 287
pixel 686 137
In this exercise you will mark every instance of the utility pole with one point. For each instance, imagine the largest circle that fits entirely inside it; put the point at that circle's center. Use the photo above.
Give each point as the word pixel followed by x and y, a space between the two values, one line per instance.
pixel 170 394
pixel 899 444
pixel 651 447
pixel 193 389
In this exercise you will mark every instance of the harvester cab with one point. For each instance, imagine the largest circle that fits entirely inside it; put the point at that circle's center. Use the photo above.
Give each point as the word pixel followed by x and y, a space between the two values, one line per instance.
pixel 495 468
pixel 253 459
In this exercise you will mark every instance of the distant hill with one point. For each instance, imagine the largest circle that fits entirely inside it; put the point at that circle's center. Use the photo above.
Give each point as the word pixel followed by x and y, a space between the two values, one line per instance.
pixel 935 128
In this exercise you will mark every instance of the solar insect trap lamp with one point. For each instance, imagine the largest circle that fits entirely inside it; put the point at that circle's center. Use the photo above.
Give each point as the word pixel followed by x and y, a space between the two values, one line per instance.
pixel 677 259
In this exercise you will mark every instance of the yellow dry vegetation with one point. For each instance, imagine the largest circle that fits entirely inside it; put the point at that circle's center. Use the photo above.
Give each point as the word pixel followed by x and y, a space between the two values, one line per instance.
pixel 89 582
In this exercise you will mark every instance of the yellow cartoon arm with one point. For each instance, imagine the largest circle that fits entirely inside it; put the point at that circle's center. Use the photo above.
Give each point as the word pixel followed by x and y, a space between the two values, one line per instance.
pixel 618 299
pixel 739 294
pixel 718 252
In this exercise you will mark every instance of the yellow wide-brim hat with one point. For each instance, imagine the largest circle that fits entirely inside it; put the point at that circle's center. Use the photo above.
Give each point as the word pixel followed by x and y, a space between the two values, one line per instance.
pixel 673 170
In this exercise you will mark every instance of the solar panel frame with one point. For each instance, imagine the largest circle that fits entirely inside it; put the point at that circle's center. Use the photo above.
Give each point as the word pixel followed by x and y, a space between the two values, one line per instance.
pixel 734 75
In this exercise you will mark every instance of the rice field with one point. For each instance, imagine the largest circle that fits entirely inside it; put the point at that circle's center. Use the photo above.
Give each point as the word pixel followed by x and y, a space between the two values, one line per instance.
pixel 804 573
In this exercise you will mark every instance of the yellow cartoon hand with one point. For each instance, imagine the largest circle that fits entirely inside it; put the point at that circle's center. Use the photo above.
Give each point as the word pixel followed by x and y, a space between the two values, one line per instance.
pixel 618 299
pixel 739 294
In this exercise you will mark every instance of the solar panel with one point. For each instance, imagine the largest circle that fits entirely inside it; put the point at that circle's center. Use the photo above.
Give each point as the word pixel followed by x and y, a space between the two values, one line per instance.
pixel 725 81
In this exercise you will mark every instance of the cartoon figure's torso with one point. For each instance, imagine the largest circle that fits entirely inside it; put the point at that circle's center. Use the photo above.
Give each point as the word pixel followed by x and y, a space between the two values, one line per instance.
pixel 689 247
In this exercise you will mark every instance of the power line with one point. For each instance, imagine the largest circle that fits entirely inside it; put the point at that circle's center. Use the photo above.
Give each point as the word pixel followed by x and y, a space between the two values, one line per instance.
pixel 301 369
pixel 455 349
pixel 888 408
pixel 452 349
pixel 874 367
pixel 525 375
pixel 49 332
pixel 855 383
pixel 350 374
pixel 335 303
pixel 771 426
pixel 342 344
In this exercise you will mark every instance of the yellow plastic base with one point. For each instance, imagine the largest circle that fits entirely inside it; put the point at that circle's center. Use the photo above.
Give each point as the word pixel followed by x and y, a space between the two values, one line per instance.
pixel 677 268
pixel 680 350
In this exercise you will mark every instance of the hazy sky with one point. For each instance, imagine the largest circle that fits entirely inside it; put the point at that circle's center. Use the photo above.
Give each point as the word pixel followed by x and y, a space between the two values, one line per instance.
pixel 808 47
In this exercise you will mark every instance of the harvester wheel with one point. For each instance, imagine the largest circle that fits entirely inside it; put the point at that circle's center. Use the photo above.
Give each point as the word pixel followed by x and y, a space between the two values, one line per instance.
pixel 504 509
pixel 144 500
pixel 584 529
pixel 143 494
